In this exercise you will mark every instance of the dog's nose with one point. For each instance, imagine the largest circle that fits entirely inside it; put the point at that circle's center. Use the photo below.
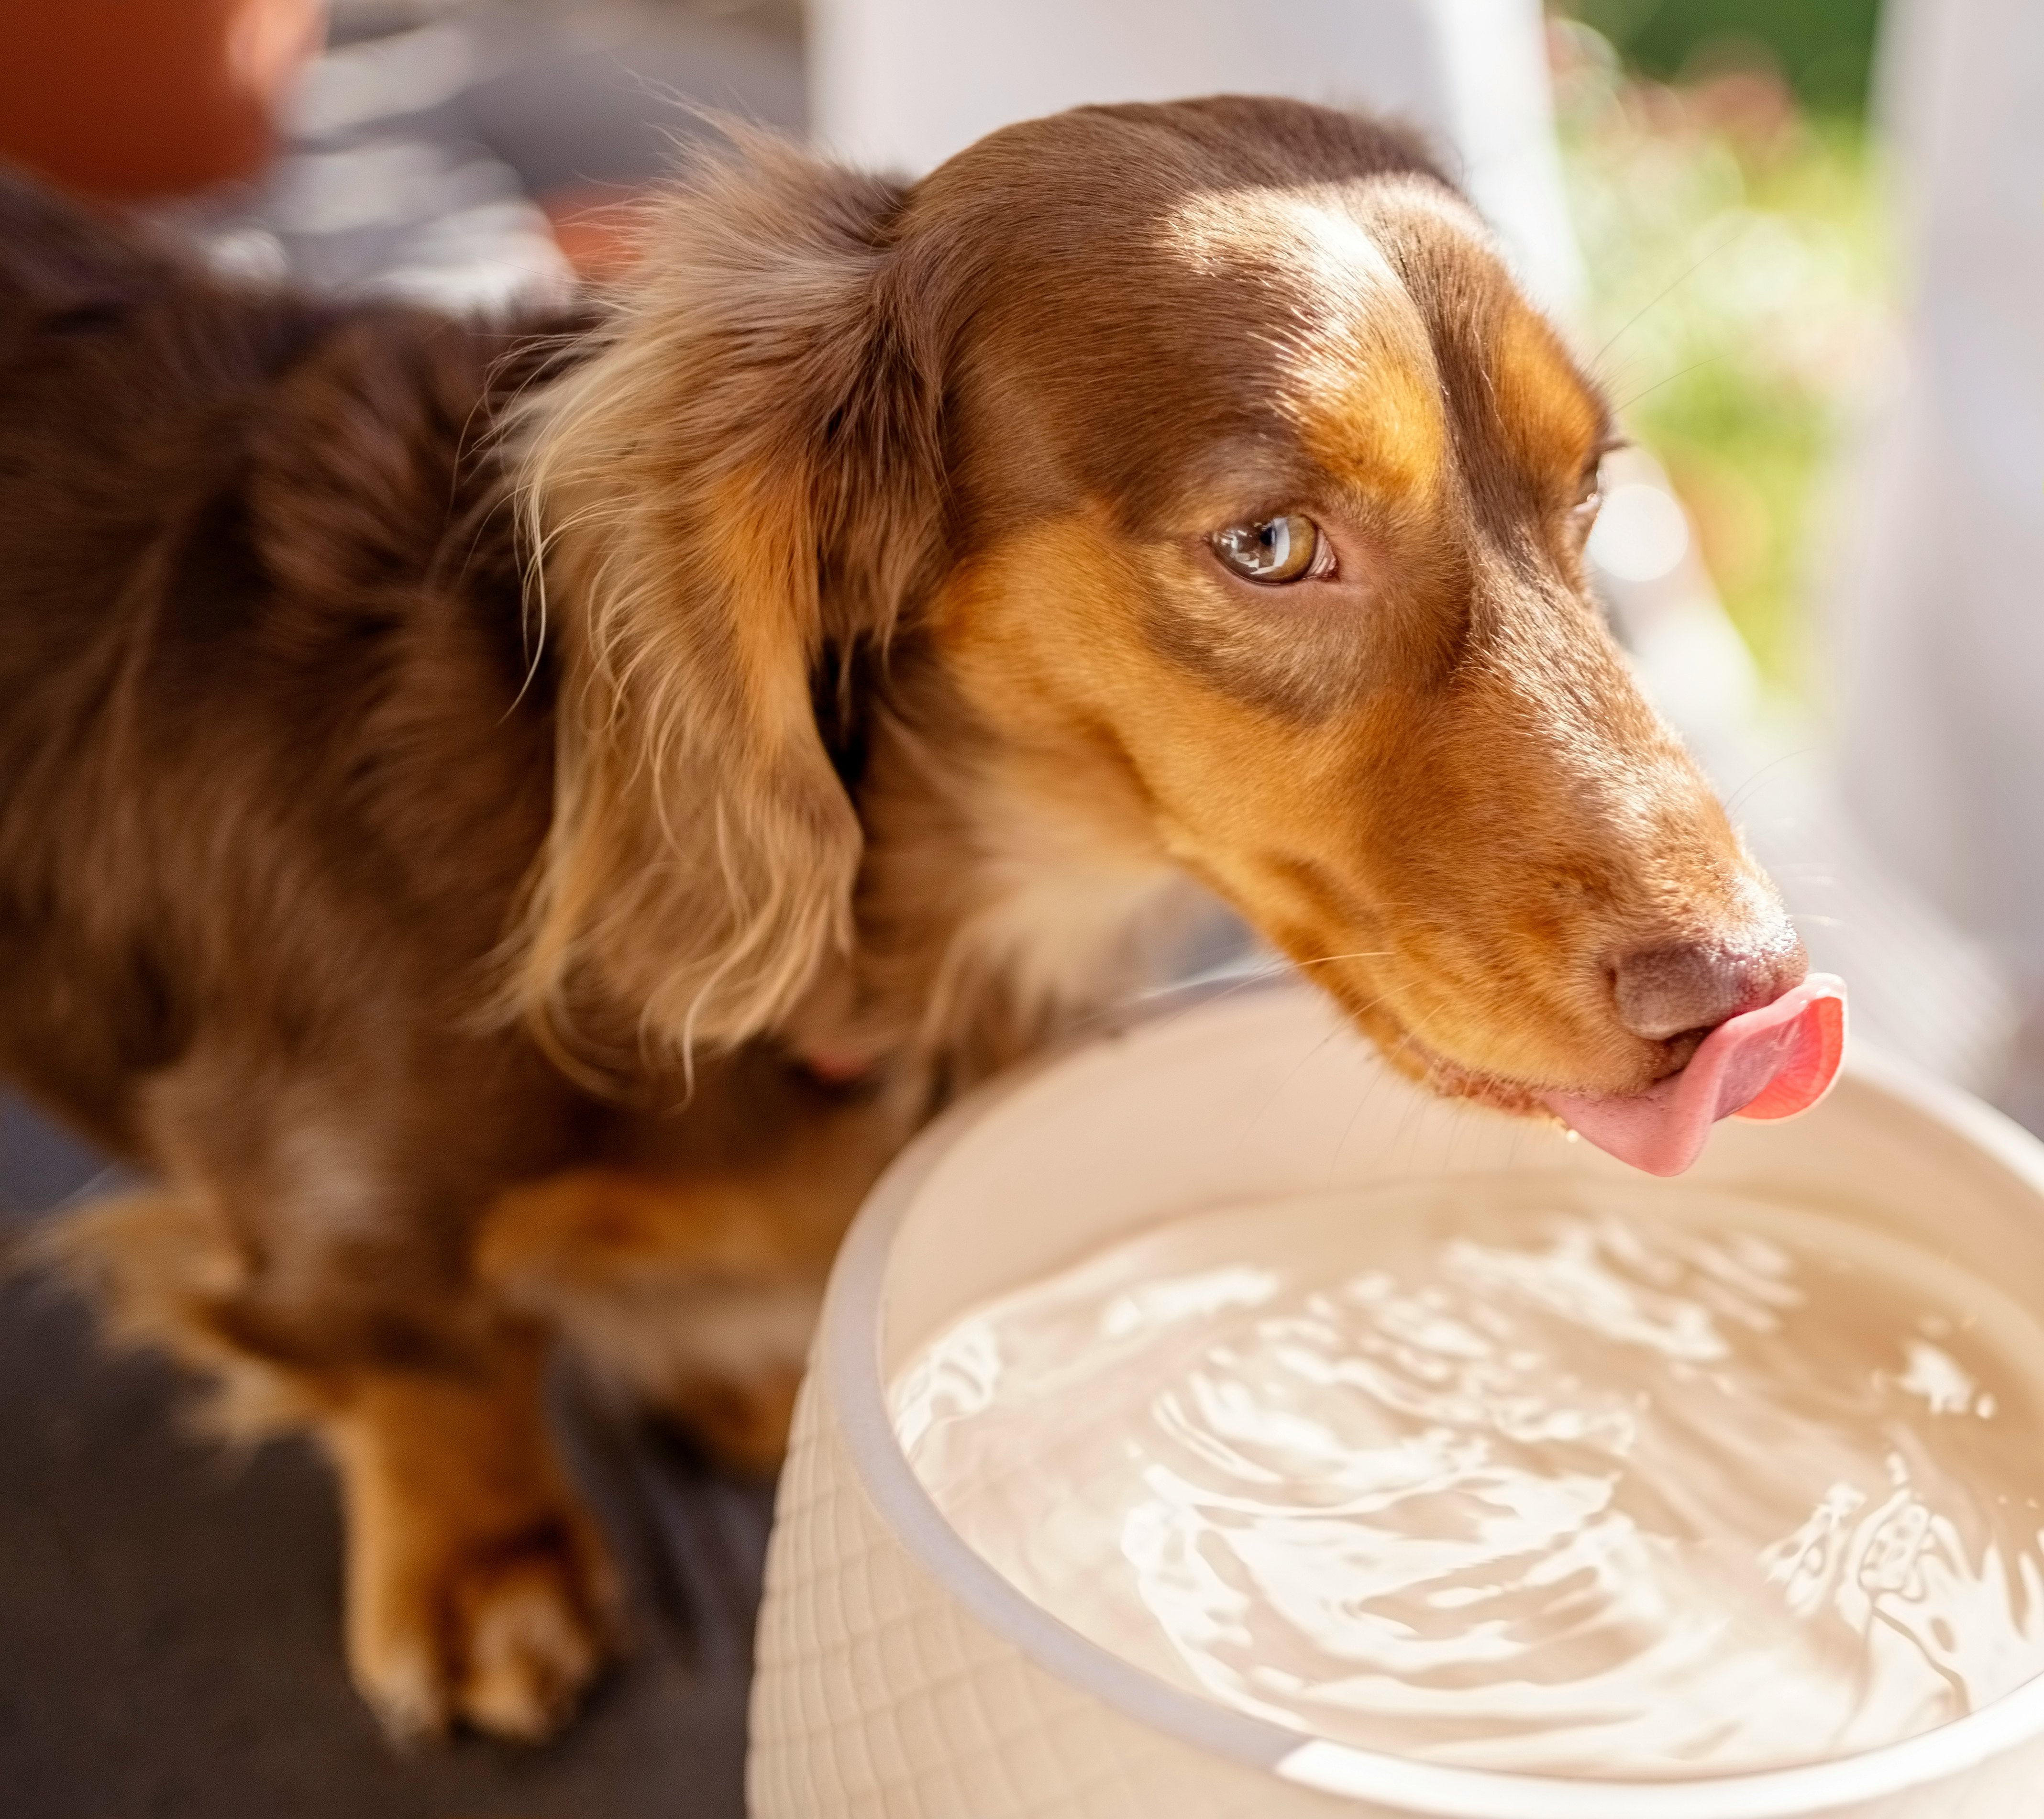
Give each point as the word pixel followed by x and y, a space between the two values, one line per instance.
pixel 1693 985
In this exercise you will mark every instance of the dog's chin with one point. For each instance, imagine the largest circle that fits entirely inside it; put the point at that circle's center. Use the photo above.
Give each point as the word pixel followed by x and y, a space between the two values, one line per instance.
pixel 1412 1055
pixel 1451 1079
pixel 1406 1049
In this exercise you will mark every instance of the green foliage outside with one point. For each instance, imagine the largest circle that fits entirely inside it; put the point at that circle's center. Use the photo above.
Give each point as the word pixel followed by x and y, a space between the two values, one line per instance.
pixel 1740 287
pixel 1824 47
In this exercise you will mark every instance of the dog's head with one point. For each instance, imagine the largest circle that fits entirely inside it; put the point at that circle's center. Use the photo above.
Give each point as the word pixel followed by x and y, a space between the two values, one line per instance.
pixel 1215 452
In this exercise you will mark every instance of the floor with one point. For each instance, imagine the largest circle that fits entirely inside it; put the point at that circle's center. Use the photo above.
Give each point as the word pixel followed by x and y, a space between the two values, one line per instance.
pixel 169 1614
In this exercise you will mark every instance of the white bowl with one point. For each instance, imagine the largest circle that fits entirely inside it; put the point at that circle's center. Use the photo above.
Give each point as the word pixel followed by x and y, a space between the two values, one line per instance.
pixel 900 1676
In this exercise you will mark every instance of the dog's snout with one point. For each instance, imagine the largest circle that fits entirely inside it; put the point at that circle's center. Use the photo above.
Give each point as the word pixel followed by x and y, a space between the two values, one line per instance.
pixel 1693 985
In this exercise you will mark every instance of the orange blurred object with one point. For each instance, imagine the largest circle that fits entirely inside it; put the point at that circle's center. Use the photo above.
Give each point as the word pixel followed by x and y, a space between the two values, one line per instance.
pixel 137 98
pixel 597 228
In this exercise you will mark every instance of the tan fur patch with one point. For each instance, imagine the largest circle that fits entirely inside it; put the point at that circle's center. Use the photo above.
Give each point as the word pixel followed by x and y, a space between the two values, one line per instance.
pixel 1359 377
pixel 1548 417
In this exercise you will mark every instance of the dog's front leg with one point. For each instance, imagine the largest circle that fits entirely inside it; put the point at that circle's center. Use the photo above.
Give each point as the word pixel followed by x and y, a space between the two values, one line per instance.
pixel 478 1588
pixel 694 1289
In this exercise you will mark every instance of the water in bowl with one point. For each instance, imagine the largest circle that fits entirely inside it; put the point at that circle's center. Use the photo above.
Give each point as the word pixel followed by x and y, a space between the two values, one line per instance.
pixel 1514 1475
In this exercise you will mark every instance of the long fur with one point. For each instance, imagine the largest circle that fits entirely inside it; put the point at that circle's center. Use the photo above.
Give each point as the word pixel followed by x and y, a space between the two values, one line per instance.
pixel 752 422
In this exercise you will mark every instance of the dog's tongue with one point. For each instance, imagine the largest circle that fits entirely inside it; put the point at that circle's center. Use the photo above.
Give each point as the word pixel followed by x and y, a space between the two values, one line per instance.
pixel 1770 1063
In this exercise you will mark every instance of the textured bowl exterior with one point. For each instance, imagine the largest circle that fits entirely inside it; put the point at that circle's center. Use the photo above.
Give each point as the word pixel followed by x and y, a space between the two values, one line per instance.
pixel 891 1683
pixel 877 1695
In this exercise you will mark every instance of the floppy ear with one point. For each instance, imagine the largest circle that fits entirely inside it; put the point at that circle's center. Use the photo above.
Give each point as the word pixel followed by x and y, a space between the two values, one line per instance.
pixel 742 478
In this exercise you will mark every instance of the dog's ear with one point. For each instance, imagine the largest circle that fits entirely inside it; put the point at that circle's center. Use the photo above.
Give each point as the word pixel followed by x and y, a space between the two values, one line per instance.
pixel 739 485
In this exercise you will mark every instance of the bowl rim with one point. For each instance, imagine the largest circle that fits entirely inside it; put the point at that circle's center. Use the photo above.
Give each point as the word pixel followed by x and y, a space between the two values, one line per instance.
pixel 848 1357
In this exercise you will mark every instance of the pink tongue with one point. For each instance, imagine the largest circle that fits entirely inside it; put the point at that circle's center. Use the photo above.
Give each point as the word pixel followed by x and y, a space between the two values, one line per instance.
pixel 1770 1063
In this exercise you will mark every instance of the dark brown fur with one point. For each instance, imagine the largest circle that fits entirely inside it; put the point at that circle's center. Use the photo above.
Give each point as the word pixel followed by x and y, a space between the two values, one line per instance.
pixel 471 960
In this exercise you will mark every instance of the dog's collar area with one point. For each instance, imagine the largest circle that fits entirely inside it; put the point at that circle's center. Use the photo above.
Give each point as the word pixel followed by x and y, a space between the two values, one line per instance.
pixel 837 1067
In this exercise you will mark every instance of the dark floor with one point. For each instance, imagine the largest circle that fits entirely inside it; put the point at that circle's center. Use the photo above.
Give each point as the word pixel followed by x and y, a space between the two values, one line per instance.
pixel 169 1615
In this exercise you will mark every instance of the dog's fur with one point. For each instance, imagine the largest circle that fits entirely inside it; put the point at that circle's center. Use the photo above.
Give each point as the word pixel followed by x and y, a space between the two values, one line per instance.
pixel 514 825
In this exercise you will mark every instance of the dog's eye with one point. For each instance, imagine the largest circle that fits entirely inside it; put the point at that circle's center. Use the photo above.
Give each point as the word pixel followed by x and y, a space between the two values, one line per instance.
pixel 1286 548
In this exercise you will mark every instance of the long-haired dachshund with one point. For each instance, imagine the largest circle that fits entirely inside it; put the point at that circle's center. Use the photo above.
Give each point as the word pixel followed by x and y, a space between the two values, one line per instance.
pixel 514 825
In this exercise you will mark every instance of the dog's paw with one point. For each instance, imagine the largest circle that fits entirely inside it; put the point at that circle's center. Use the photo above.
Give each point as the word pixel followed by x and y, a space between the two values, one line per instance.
pixel 502 1634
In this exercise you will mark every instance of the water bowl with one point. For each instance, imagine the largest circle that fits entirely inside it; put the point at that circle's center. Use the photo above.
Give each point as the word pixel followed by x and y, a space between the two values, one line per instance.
pixel 900 1676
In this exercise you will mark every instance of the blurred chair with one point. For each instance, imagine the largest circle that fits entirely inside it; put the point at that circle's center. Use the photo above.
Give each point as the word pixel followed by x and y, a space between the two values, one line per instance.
pixel 141 98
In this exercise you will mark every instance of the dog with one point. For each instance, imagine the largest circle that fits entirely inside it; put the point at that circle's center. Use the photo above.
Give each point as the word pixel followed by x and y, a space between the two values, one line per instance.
pixel 514 824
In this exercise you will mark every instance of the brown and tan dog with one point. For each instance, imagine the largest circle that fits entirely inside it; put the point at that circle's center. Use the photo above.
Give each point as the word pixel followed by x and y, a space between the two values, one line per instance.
pixel 937 580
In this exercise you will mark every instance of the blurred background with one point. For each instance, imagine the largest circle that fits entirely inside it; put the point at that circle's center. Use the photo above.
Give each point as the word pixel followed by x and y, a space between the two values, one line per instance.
pixel 467 150
pixel 461 149
pixel 1732 202
pixel 1801 241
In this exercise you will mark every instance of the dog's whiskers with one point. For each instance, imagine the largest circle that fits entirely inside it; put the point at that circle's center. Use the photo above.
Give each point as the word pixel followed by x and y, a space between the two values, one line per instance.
pixel 1669 290
pixel 1682 373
